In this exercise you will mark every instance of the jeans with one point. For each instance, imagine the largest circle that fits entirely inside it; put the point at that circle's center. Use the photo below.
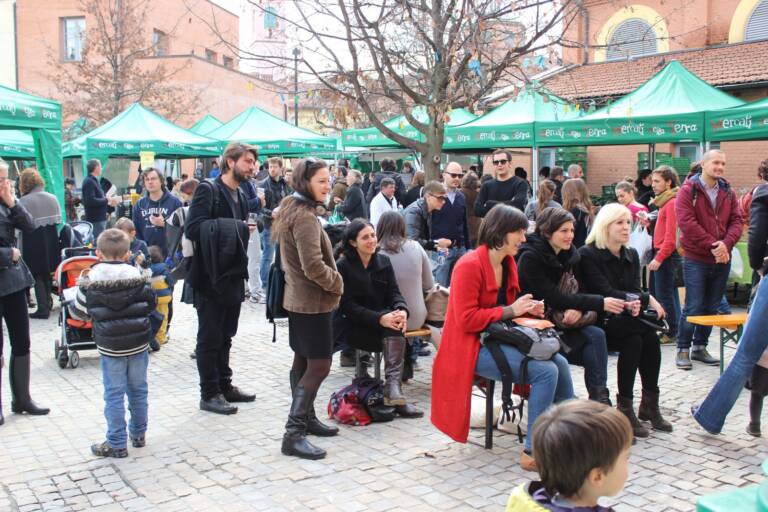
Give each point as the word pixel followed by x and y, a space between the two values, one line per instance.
pixel 665 290
pixel 267 253
pixel 125 376
pixel 216 326
pixel 592 356
pixel 719 402
pixel 704 288
pixel 98 227
pixel 254 261
pixel 442 271
pixel 550 381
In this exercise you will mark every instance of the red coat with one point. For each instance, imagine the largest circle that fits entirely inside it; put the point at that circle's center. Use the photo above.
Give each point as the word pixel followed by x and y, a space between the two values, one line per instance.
pixel 472 305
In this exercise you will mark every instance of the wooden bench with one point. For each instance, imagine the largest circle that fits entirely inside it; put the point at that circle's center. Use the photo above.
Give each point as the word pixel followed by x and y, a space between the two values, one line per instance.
pixel 423 332
pixel 730 328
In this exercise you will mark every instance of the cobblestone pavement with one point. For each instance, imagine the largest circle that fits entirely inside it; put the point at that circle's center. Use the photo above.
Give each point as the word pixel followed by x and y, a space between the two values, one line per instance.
pixel 198 461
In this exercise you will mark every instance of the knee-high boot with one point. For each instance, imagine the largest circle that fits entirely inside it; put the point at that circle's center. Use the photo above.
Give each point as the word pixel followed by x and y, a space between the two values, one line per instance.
pixel 394 352
pixel 314 425
pixel 295 438
pixel 19 376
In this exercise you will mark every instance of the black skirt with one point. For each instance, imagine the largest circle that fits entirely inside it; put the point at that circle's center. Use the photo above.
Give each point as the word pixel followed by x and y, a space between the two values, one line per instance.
pixel 311 335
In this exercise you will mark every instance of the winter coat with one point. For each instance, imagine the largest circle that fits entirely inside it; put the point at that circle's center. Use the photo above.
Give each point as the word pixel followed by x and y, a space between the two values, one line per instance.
pixel 144 209
pixel 450 221
pixel 14 276
pixel 580 227
pixel 369 294
pixel 312 283
pixel 700 224
pixel 354 205
pixel 418 224
pixel 472 305
pixel 120 309
pixel 40 247
pixel 611 276
pixel 94 200
pixel 274 192
pixel 375 187
pixel 757 245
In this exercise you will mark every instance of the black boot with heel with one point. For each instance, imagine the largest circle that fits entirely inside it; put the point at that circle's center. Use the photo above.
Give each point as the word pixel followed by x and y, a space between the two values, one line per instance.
pixel 295 441
pixel 314 425
pixel 19 376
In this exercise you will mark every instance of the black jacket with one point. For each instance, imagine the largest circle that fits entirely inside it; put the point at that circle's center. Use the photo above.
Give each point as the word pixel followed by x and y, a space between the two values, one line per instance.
pixel 376 186
pixel 120 311
pixel 540 271
pixel 580 227
pixel 609 276
pixel 94 201
pixel 758 227
pixel 354 205
pixel 274 192
pixel 14 276
pixel 513 192
pixel 418 224
pixel 211 203
pixel 369 293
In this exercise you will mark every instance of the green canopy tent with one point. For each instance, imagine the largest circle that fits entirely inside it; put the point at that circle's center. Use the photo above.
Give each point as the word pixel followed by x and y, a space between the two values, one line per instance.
pixel 42 119
pixel 746 122
pixel 371 137
pixel 138 129
pixel 206 125
pixel 667 108
pixel 512 123
pixel 17 144
pixel 271 135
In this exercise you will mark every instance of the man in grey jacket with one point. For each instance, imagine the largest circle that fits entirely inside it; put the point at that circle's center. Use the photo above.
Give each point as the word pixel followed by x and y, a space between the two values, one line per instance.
pixel 418 217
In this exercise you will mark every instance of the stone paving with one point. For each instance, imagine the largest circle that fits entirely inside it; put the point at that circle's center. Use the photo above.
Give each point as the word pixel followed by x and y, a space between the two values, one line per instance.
pixel 198 461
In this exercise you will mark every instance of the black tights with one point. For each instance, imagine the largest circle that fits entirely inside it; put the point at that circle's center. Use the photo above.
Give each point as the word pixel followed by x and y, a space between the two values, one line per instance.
pixel 638 352
pixel 13 310
pixel 313 371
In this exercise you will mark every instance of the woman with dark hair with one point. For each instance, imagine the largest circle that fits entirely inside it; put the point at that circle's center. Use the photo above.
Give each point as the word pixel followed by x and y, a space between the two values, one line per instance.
pixel 313 288
pixel 576 201
pixel 353 205
pixel 414 191
pixel 40 247
pixel 549 270
pixel 470 187
pixel 612 269
pixel 756 214
pixel 625 195
pixel 544 199
pixel 373 313
pixel 477 299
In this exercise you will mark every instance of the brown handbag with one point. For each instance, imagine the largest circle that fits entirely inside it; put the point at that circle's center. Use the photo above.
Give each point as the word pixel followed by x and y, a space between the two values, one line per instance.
pixel 569 285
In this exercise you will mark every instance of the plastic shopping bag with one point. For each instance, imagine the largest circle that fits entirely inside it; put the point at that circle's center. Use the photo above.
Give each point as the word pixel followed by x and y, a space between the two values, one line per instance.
pixel 642 242
pixel 737 265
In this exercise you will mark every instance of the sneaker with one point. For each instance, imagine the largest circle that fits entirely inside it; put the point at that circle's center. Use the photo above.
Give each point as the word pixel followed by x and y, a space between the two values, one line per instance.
pixel 138 442
pixel 683 361
pixel 104 450
pixel 701 355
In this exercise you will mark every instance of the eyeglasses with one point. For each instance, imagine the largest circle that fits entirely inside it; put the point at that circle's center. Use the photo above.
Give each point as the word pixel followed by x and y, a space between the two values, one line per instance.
pixel 442 199
pixel 500 162
pixel 452 175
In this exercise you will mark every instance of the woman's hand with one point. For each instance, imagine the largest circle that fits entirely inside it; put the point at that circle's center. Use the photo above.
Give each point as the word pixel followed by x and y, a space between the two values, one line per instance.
pixel 658 307
pixel 571 316
pixel 633 307
pixel 613 305
pixel 15 255
pixel 395 320
pixel 524 305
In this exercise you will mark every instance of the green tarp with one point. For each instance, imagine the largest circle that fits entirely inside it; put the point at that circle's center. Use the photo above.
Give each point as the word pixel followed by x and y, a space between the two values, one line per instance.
pixel 17 144
pixel 42 118
pixel 511 124
pixel 667 108
pixel 271 135
pixel 371 137
pixel 747 122
pixel 206 125
pixel 139 129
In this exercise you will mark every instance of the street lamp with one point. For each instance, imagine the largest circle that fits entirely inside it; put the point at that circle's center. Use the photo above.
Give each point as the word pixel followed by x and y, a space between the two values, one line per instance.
pixel 296 54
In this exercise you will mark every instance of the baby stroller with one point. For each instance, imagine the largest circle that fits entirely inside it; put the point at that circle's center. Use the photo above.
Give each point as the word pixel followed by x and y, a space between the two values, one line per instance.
pixel 76 327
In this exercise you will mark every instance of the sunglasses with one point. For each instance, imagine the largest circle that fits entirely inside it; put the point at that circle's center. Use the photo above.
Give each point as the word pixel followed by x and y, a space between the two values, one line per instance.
pixel 439 198
pixel 500 162
pixel 452 175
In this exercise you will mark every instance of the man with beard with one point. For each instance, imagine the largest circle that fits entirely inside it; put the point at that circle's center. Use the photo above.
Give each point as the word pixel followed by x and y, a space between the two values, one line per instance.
pixel 216 224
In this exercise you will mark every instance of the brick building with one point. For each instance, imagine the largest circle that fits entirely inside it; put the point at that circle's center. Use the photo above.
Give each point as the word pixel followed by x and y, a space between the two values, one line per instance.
pixel 623 44
pixel 174 28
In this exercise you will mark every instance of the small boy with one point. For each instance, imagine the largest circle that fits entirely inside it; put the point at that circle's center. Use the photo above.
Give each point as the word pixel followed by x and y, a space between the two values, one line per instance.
pixel 162 284
pixel 119 301
pixel 139 251
pixel 581 448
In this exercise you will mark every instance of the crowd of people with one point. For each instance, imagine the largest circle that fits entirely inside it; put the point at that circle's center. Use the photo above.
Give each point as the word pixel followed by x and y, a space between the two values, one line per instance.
pixel 504 252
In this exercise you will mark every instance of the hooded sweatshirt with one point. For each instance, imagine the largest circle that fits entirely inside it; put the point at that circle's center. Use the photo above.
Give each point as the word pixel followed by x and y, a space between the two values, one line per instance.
pixel 145 207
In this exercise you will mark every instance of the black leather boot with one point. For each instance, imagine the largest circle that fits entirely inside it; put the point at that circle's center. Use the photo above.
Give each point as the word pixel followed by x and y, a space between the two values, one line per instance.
pixel 394 352
pixel 408 411
pixel 649 411
pixel 295 441
pixel 624 405
pixel 19 377
pixel 314 425
pixel 755 410
pixel 602 395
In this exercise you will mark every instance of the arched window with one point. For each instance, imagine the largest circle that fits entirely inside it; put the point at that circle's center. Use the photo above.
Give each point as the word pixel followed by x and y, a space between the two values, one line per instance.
pixel 757 25
pixel 631 38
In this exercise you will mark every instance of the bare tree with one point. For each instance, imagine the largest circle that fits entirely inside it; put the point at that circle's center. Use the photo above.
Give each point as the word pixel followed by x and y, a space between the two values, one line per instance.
pixel 115 69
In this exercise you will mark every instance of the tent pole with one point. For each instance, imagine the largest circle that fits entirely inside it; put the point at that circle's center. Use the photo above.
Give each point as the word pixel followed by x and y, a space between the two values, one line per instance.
pixel 535 167
pixel 652 155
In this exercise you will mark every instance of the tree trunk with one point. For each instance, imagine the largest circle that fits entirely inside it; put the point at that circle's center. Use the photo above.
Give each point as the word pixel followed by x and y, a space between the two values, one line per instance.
pixel 430 158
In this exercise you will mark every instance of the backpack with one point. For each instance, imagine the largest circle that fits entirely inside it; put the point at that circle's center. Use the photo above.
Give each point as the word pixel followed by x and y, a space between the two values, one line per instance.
pixel 360 403
pixel 275 291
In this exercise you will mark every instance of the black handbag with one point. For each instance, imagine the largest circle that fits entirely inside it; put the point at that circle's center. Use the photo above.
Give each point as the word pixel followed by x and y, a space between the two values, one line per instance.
pixel 275 292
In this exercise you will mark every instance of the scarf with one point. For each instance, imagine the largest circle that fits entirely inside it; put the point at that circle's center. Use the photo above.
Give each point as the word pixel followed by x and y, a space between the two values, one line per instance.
pixel 320 208
pixel 661 199
pixel 42 206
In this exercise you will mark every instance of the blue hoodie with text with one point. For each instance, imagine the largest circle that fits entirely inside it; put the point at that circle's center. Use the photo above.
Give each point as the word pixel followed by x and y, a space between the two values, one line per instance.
pixel 145 207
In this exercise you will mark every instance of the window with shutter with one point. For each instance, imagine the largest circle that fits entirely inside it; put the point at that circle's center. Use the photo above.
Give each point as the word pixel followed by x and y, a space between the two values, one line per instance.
pixel 757 25
pixel 632 38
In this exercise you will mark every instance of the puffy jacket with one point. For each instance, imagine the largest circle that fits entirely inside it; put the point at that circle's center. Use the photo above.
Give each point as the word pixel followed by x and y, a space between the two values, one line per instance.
pixel 758 227
pixel 700 224
pixel 418 224
pixel 120 311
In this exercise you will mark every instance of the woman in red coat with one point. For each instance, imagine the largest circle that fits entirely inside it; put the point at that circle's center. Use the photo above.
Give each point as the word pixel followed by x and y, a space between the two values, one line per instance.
pixel 476 301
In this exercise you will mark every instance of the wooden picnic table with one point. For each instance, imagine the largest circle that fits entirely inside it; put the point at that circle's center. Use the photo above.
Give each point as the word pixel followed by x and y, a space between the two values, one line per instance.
pixel 730 328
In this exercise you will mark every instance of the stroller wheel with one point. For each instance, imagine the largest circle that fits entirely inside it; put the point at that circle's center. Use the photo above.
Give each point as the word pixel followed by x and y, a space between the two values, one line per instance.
pixel 74 359
pixel 63 359
pixel 56 349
